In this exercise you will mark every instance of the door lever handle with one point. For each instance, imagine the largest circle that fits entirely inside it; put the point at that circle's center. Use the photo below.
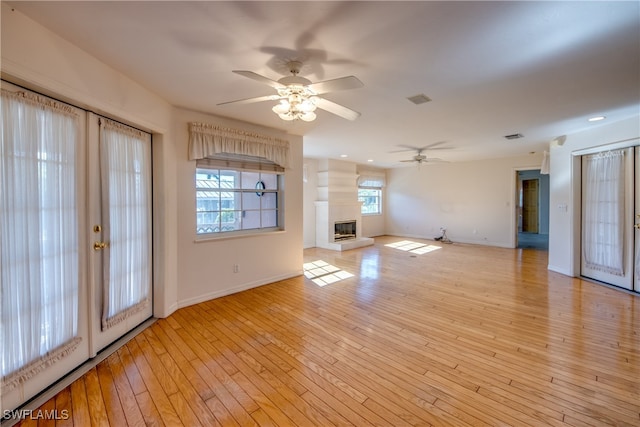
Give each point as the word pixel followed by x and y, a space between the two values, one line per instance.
pixel 98 246
pixel 636 226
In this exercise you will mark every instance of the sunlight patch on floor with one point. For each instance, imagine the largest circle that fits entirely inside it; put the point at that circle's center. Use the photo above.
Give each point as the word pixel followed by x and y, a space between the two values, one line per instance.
pixel 322 273
pixel 413 247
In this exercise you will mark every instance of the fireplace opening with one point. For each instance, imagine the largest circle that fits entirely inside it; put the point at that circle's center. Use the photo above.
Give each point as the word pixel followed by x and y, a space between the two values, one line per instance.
pixel 344 230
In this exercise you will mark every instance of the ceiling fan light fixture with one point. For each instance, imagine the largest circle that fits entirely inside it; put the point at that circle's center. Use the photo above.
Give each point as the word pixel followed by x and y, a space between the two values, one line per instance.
pixel 308 105
pixel 297 95
pixel 296 104
pixel 287 117
pixel 308 117
pixel 282 108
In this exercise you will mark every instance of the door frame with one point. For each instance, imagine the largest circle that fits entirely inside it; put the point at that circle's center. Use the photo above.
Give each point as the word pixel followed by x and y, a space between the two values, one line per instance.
pixel 516 203
pixel 629 241
pixel 576 198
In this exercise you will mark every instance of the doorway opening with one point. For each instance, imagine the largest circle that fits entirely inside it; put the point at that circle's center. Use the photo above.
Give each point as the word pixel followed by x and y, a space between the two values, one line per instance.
pixel 532 210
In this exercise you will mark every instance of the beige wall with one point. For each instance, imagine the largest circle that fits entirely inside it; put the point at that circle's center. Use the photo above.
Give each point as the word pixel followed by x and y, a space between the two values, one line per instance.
pixel 475 201
pixel 184 272
pixel 309 207
pixel 205 268
pixel 564 213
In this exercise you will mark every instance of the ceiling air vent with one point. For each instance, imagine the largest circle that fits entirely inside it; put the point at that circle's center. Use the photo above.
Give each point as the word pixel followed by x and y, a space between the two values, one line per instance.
pixel 419 99
pixel 514 136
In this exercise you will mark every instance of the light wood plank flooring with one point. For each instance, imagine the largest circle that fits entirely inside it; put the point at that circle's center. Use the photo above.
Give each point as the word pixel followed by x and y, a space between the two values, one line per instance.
pixel 456 336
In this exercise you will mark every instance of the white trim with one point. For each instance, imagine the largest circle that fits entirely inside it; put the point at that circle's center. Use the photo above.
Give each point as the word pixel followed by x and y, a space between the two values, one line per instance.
pixel 221 293
pixel 625 143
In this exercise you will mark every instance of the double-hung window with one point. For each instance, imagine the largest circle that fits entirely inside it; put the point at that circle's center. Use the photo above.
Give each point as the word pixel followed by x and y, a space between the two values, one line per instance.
pixel 237 197
pixel 371 199
pixel 370 192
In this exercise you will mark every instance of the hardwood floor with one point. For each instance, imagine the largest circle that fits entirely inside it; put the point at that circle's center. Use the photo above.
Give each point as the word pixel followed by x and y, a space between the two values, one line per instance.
pixel 456 336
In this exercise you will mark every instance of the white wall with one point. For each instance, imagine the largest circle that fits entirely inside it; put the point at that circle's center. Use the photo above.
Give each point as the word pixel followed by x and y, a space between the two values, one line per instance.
pixel 475 201
pixel 38 59
pixel 184 272
pixel 309 208
pixel 564 219
pixel 374 225
pixel 205 268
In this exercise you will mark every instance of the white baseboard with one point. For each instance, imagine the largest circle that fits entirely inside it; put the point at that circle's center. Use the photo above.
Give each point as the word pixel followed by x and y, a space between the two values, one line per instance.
pixel 559 270
pixel 228 291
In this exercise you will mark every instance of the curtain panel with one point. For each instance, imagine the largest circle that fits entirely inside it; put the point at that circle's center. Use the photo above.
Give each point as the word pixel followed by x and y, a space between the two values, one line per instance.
pixel 207 140
pixel 39 240
pixel 603 214
pixel 125 155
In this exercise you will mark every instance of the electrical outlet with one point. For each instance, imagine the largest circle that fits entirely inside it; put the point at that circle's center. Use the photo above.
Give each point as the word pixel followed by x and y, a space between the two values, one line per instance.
pixel 236 268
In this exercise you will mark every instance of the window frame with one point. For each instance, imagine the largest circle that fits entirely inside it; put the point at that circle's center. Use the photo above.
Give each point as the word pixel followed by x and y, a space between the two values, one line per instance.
pixel 378 196
pixel 240 192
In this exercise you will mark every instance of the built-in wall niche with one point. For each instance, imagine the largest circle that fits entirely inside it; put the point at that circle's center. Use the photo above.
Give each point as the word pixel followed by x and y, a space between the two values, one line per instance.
pixel 344 230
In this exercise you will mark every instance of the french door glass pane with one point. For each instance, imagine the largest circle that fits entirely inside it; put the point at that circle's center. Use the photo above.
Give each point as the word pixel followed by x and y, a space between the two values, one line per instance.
pixel 603 212
pixel 125 155
pixel 39 240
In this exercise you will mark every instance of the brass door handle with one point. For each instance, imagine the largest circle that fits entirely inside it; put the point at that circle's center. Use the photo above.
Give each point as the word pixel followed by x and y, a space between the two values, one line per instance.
pixel 98 246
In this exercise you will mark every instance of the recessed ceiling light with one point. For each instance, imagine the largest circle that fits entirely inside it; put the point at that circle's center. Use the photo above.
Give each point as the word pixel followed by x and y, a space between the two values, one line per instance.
pixel 343 155
pixel 370 160
pixel 596 118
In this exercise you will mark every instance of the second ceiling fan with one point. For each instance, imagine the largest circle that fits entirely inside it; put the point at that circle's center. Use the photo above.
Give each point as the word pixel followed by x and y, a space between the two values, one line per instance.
pixel 298 96
pixel 420 158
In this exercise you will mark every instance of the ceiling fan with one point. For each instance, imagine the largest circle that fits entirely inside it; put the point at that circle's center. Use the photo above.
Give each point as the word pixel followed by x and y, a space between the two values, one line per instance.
pixel 298 96
pixel 420 158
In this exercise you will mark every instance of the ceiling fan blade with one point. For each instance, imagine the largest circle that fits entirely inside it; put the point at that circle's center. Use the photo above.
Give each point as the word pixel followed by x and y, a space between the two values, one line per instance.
pixel 337 109
pixel 252 100
pixel 342 83
pixel 412 160
pixel 259 78
pixel 407 148
pixel 434 146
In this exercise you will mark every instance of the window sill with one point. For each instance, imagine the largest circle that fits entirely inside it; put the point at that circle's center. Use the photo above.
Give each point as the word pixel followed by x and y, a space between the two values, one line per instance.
pixel 372 214
pixel 236 235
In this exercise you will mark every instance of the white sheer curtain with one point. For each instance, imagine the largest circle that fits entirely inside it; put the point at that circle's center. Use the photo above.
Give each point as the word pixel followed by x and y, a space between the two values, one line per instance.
pixel 603 214
pixel 39 266
pixel 125 155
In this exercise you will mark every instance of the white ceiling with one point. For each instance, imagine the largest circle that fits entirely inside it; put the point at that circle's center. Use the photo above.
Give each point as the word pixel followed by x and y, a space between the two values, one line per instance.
pixel 490 68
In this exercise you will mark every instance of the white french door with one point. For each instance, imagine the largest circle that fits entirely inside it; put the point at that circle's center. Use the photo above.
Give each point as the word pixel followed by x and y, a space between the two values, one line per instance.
pixel 44 331
pixel 120 222
pixel 636 221
pixel 610 204
pixel 68 184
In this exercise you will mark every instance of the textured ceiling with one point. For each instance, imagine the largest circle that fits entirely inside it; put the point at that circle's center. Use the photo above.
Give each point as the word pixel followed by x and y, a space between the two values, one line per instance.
pixel 490 68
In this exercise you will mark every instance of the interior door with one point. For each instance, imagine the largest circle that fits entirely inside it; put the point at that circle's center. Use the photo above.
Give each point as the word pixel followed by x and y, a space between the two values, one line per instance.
pixel 530 196
pixel 608 237
pixel 120 204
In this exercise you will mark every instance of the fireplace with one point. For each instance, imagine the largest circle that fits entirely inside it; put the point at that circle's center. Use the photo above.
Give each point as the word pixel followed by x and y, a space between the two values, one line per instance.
pixel 344 230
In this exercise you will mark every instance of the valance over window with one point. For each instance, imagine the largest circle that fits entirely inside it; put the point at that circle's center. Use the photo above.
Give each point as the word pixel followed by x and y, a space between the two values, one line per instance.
pixel 371 179
pixel 208 140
